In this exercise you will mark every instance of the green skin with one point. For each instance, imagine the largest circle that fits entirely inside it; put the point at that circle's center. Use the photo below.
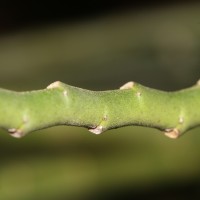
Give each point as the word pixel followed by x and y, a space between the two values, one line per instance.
pixel 132 104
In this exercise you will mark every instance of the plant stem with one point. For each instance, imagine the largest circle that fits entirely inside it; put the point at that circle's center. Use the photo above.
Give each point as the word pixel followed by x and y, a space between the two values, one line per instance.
pixel 133 104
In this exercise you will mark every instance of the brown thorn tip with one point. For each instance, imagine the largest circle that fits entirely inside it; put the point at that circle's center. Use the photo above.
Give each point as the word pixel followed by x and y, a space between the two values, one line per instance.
pixel 128 85
pixel 172 133
pixel 15 133
pixel 98 130
pixel 54 85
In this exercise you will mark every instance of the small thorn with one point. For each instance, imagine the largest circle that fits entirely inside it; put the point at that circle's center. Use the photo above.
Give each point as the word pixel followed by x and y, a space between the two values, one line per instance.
pixel 128 85
pixel 98 130
pixel 181 120
pixel 54 85
pixel 172 133
pixel 15 133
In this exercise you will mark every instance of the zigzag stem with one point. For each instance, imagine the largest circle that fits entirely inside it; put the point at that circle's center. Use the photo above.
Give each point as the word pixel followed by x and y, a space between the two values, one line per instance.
pixel 172 112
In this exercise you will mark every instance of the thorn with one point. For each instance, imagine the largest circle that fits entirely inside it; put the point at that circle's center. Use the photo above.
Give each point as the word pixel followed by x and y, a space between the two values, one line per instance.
pixel 172 133
pixel 98 130
pixel 198 82
pixel 128 85
pixel 16 133
pixel 54 85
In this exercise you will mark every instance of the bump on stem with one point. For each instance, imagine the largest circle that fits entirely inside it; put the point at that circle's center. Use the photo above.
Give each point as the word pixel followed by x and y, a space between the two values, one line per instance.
pixel 55 84
pixel 128 85
pixel 17 133
pixel 172 133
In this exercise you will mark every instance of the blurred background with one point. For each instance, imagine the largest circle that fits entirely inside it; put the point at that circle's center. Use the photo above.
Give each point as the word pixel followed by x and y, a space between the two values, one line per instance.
pixel 99 46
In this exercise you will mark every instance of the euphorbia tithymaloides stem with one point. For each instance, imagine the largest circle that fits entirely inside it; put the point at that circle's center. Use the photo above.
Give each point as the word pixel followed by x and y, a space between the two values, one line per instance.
pixel 133 104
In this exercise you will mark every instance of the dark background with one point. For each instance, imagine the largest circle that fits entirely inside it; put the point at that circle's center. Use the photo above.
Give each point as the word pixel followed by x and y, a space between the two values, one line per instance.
pixel 99 45
pixel 15 15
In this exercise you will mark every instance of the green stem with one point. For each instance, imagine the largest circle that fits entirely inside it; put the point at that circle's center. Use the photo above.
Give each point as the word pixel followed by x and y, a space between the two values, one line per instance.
pixel 61 104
